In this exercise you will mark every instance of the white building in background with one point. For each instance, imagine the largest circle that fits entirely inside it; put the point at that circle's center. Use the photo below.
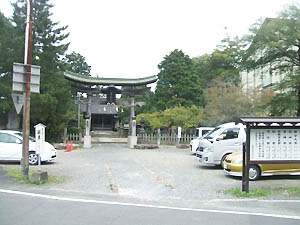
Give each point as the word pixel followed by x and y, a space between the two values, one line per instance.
pixel 263 77
pixel 260 78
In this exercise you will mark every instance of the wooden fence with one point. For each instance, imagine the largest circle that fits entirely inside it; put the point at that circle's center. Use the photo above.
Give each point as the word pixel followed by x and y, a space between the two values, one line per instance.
pixel 155 138
pixel 77 138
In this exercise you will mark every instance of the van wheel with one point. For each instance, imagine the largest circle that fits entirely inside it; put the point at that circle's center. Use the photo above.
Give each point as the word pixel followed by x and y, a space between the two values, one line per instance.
pixel 254 172
pixel 223 159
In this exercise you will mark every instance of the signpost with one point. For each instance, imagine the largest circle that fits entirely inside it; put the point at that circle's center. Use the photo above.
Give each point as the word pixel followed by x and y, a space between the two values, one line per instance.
pixel 270 140
pixel 18 100
pixel 39 142
pixel 20 74
pixel 22 82
pixel 39 176
pixel 179 134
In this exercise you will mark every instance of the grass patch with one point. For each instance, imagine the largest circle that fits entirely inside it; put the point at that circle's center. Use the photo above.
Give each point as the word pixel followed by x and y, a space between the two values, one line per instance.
pixel 253 193
pixel 18 175
pixel 263 192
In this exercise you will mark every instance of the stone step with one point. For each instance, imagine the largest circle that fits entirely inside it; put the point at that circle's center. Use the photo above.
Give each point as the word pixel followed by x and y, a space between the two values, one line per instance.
pixel 112 140
pixel 109 134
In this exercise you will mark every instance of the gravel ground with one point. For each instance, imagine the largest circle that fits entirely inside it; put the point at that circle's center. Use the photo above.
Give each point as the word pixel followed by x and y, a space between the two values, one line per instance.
pixel 113 171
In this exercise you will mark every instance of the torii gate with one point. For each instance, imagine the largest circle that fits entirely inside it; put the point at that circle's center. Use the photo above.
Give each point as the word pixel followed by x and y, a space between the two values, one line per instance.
pixel 111 90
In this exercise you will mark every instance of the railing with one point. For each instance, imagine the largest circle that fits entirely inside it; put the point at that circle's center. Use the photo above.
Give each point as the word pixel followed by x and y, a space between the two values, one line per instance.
pixel 155 138
pixel 75 137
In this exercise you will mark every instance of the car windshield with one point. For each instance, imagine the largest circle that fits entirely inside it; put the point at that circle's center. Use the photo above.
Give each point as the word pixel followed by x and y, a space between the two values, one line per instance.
pixel 21 135
pixel 206 134
pixel 213 133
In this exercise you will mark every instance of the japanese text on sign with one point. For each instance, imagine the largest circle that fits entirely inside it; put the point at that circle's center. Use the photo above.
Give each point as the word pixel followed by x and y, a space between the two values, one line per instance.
pixel 274 144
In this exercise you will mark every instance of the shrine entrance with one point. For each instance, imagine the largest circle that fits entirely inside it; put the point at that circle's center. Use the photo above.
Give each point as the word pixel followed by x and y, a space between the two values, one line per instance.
pixel 103 122
pixel 100 106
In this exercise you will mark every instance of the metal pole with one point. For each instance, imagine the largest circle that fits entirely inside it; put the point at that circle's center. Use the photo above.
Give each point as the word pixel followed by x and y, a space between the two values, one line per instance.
pixel 246 151
pixel 27 32
pixel 244 182
pixel 26 116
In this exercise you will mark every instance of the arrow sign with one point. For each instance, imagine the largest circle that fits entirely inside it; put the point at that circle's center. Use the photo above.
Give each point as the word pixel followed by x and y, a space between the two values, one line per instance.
pixel 18 101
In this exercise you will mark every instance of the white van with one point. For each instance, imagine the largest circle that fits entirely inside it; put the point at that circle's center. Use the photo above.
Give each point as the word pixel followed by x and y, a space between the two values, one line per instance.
pixel 200 133
pixel 224 140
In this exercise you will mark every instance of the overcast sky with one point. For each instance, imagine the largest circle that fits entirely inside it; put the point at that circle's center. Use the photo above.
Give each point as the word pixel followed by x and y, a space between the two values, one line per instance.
pixel 129 38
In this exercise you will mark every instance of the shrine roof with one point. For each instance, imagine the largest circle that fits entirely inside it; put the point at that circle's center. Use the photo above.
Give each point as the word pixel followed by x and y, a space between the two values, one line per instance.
pixel 269 121
pixel 109 81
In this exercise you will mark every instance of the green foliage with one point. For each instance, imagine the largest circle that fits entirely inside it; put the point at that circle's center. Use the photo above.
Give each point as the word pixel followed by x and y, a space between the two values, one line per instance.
pixel 263 192
pixel 147 98
pixel 152 120
pixel 178 82
pixel 76 63
pixel 253 193
pixel 172 118
pixel 7 39
pixel 179 97
pixel 275 44
pixel 228 103
pixel 54 106
pixel 18 174
pixel 285 103
pixel 224 61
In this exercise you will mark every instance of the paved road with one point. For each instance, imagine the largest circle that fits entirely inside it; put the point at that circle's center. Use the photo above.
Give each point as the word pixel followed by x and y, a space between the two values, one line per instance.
pixel 21 209
pixel 165 177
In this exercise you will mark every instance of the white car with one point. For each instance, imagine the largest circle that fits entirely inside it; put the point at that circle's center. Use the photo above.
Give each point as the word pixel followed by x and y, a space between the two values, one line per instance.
pixel 200 133
pixel 11 148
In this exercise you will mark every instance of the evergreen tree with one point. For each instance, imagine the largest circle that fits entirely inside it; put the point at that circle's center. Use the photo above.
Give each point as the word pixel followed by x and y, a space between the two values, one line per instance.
pixel 6 61
pixel 54 105
pixel 178 83
pixel 76 63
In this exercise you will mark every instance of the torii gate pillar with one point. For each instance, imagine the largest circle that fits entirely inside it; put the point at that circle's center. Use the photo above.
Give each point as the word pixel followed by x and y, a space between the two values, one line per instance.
pixel 87 139
pixel 132 138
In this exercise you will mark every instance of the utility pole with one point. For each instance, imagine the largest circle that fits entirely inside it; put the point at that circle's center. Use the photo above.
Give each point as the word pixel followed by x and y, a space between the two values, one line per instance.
pixel 26 112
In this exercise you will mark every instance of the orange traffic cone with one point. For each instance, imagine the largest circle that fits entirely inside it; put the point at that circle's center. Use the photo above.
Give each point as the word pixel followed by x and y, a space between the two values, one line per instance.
pixel 68 147
pixel 72 147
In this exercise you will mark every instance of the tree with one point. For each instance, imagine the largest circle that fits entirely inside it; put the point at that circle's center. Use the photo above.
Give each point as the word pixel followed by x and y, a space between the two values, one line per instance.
pixel 275 44
pixel 54 105
pixel 76 63
pixel 171 118
pixel 6 61
pixel 228 103
pixel 224 61
pixel 124 112
pixel 178 82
